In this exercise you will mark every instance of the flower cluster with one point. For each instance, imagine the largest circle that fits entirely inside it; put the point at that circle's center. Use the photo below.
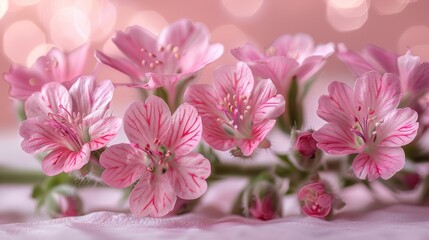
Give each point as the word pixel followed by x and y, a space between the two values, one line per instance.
pixel 178 130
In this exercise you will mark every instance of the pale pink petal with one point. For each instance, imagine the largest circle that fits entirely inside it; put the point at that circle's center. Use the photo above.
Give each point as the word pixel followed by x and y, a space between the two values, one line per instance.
pixel 336 140
pixel 53 66
pixel 418 81
pixel 186 130
pixel 398 129
pixel 280 70
pixel 53 98
pixel 287 44
pixel 76 61
pixel 384 162
pixel 120 64
pixel 185 35
pixel 309 67
pixel 247 53
pixel 191 63
pixel 145 122
pixel 39 136
pixel 338 106
pixel 406 65
pixel 135 43
pixel 377 94
pixel 356 63
pixel 62 159
pixel 259 132
pixel 234 80
pixel 76 160
pixel 23 81
pixel 324 50
pixel 103 131
pixel 266 102
pixel 123 165
pixel 153 196
pixel 155 80
pixel 215 135
pixel 188 175
pixel 385 59
pixel 204 98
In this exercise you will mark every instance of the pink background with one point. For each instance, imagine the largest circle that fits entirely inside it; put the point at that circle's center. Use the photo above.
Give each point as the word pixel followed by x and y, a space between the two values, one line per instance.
pixel 30 27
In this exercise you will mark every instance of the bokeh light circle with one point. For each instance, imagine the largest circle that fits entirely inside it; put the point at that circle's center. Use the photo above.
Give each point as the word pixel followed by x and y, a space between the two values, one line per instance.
pixel 4 6
pixel 150 20
pixel 239 8
pixel 347 15
pixel 416 38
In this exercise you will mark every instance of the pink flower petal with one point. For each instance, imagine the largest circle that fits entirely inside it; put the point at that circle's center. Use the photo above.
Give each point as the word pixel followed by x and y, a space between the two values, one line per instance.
pixel 247 53
pixel 280 70
pixel 234 80
pixel 191 63
pixel 188 175
pixel 399 128
pixel 285 44
pixel 145 122
pixel 384 162
pixel 39 136
pixel 186 130
pixel 53 66
pixel 259 132
pixel 103 131
pixel 356 63
pixel 406 65
pixel 88 97
pixel 377 94
pixel 268 104
pixel 336 140
pixel 152 196
pixel 204 98
pixel 215 135
pixel 418 80
pixel 52 96
pixel 385 59
pixel 338 106
pixel 123 165
pixel 309 67
pixel 62 159
pixel 77 60
pixel 121 64
pixel 23 81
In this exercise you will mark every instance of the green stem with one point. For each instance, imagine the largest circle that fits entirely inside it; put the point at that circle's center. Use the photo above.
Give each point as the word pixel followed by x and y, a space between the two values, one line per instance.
pixel 228 169
pixel 8 176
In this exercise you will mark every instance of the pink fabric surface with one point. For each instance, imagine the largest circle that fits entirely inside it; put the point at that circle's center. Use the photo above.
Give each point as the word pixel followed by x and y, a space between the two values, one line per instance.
pixel 393 222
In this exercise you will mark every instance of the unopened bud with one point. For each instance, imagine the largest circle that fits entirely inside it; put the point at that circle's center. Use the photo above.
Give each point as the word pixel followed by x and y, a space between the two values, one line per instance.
pixel 262 201
pixel 305 150
pixel 63 201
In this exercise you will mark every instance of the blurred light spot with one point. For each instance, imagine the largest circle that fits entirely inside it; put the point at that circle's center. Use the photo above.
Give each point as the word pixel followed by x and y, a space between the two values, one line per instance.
pixel 4 5
pixel 150 20
pixel 69 28
pixel 386 7
pixel 37 52
pixel 102 16
pixel 20 39
pixel 347 15
pixel 25 2
pixel 240 8
pixel 416 38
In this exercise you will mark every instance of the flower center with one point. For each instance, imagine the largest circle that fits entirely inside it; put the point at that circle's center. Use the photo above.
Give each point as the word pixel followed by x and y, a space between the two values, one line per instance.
pixel 159 157
pixel 236 121
pixel 165 59
pixel 365 127
pixel 70 128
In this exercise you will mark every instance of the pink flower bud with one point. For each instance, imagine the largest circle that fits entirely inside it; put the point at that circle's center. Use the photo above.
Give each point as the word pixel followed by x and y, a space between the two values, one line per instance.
pixel 262 201
pixel 305 150
pixel 63 202
pixel 315 200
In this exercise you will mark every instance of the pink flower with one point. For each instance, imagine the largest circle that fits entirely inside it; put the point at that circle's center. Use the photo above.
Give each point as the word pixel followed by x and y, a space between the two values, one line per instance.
pixel 236 111
pixel 305 144
pixel 55 66
pixel 262 200
pixel 180 51
pixel 160 157
pixel 69 124
pixel 288 56
pixel 411 71
pixel 366 120
pixel 316 201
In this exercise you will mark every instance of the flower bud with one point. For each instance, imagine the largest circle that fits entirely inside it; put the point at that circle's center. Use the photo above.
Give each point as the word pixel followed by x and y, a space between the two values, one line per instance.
pixel 262 201
pixel 305 149
pixel 316 200
pixel 63 201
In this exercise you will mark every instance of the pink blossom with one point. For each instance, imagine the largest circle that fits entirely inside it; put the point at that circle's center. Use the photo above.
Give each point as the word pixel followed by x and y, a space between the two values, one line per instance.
pixel 413 73
pixel 316 201
pixel 366 120
pixel 159 156
pixel 68 124
pixel 179 51
pixel 55 66
pixel 236 111
pixel 288 56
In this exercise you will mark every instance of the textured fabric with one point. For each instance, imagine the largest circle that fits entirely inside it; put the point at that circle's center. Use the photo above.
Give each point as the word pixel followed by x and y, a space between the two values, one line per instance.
pixel 394 222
